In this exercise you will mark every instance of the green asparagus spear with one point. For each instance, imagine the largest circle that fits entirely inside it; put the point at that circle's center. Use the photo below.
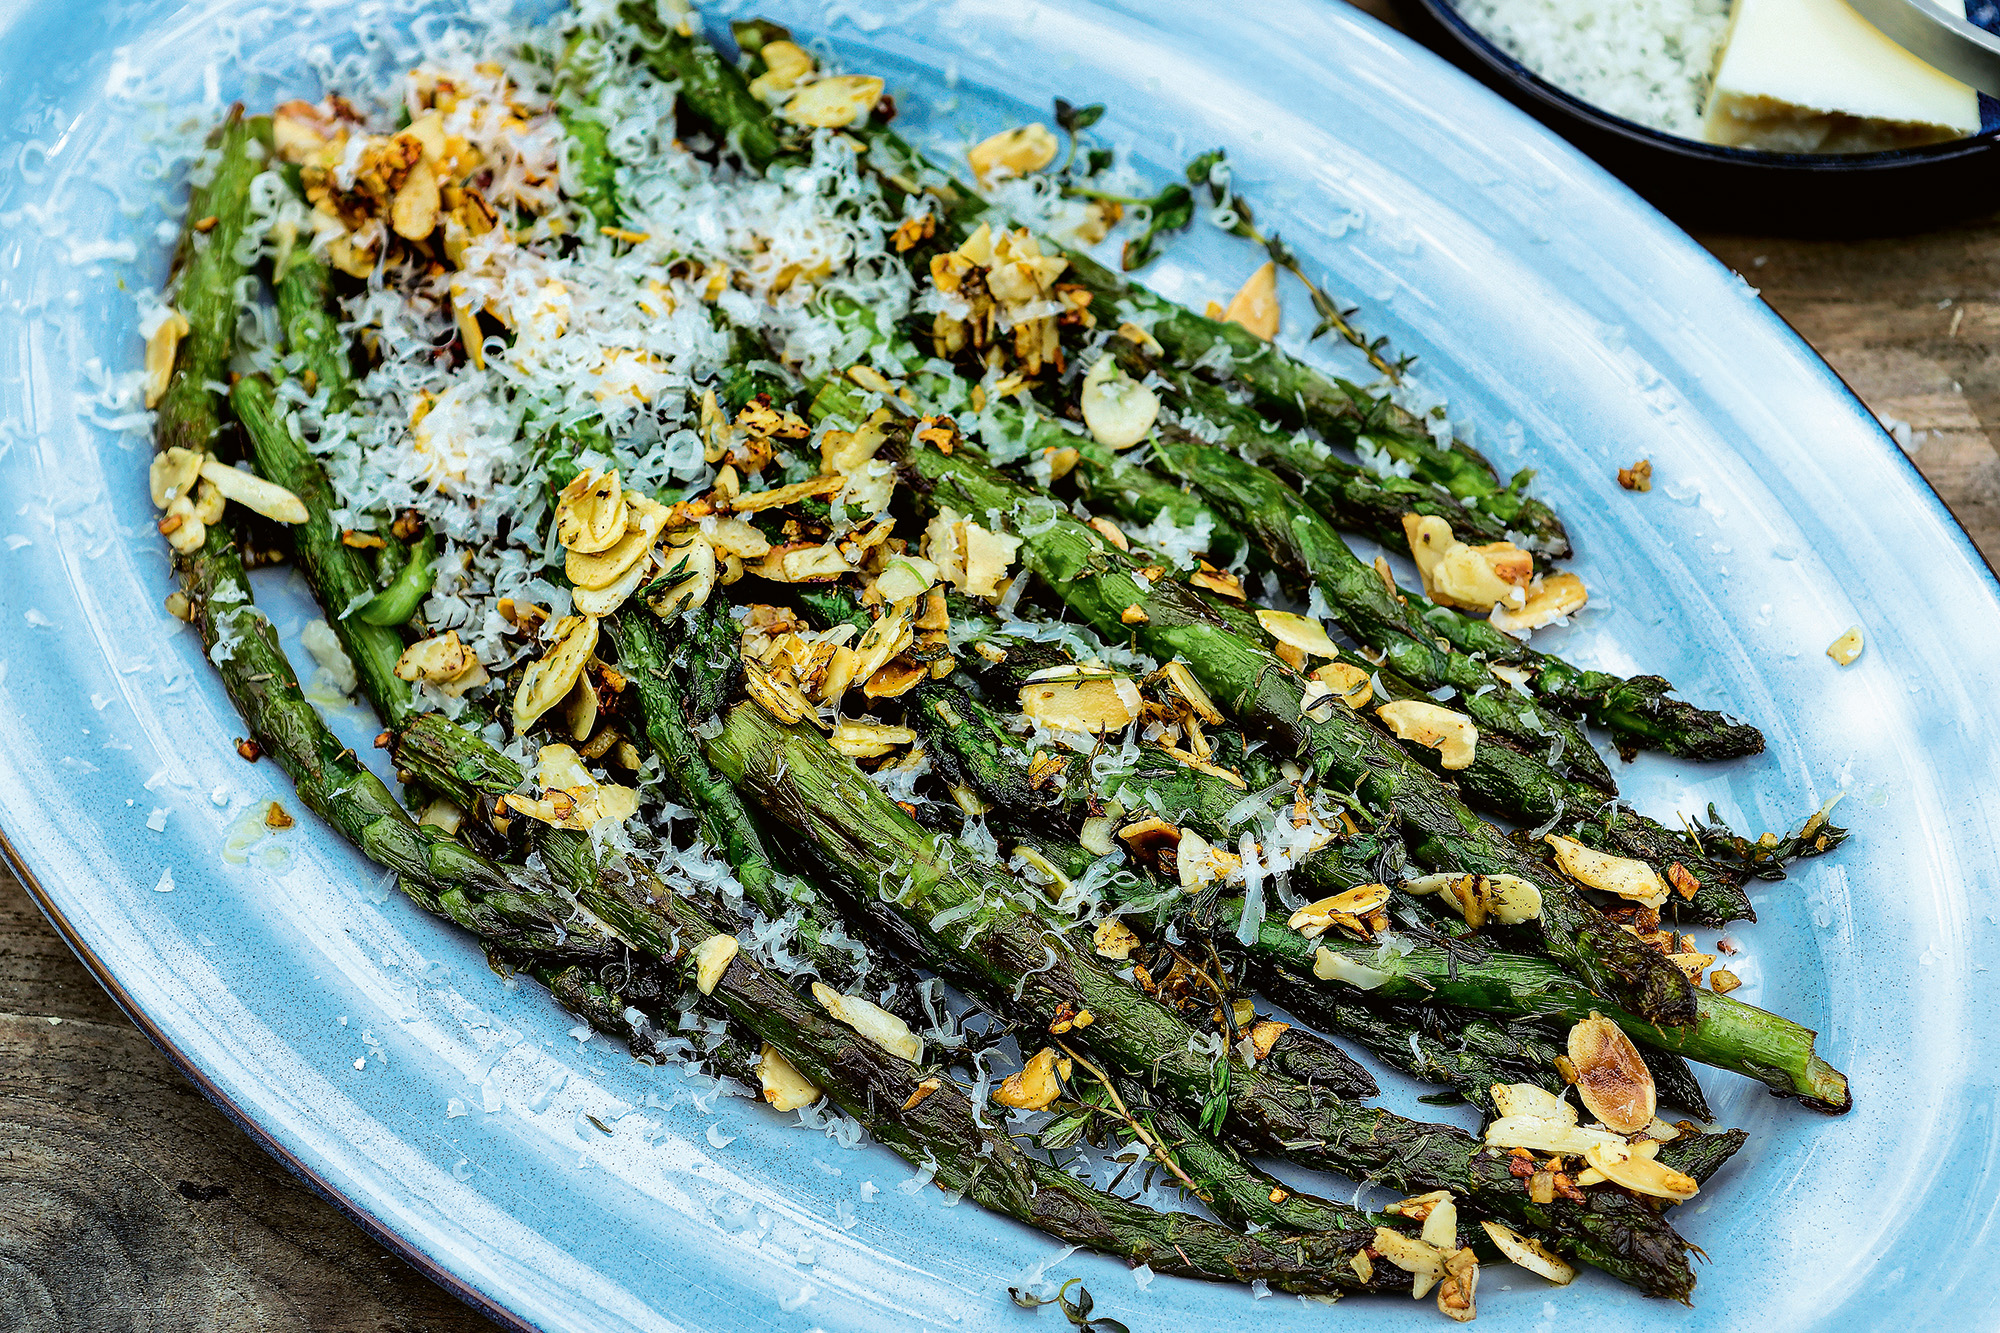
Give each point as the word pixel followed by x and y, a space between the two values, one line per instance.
pixel 933 890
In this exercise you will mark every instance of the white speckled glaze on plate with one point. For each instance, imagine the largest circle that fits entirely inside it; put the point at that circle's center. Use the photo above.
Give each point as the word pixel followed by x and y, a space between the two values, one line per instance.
pixel 1566 318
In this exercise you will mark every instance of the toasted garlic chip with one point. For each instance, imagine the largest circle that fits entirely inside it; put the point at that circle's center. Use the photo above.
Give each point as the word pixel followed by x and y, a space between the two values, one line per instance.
pixel 1847 647
pixel 173 474
pixel 1300 632
pixel 590 513
pixel 1413 1256
pixel 161 347
pixel 438 660
pixel 784 1087
pixel 253 492
pixel 785 65
pixel 1035 1085
pixel 1531 1254
pixel 872 1021
pixel 644 520
pixel 689 575
pixel 1014 152
pixel 1180 679
pixel 544 684
pixel 1349 909
pixel 1255 305
pixel 1622 1166
pixel 1113 939
pixel 1452 735
pixel 1551 597
pixel 1525 1099
pixel 988 556
pixel 1094 705
pixel 1507 899
pixel 711 959
pixel 1119 410
pixel 1611 1077
pixel 1629 879
pixel 1349 683
pixel 414 212
pixel 834 103
pixel 1199 862
pixel 1331 966
pixel 1547 1135
pixel 869 740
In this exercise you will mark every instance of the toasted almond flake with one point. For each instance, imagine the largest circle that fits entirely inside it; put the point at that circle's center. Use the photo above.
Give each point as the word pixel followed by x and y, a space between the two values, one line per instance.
pixel 1621 1165
pixel 1507 899
pixel 1301 632
pixel 1111 532
pixel 1629 879
pixel 711 959
pixel 161 348
pixel 1015 152
pixel 1847 647
pixel 1119 410
pixel 1451 734
pixel 872 1021
pixel 1349 683
pixel 780 698
pixel 783 1086
pixel 1090 704
pixel 1037 1084
pixel 1255 305
pixel 1441 1225
pixel 1611 1078
pixel 253 492
pixel 548 680
pixel 834 103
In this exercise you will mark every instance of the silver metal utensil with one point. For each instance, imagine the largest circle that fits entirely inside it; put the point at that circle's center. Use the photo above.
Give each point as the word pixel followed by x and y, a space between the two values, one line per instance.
pixel 1940 38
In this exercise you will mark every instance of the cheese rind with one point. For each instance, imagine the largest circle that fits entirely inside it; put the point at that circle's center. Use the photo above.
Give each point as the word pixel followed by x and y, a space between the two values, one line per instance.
pixel 1813 76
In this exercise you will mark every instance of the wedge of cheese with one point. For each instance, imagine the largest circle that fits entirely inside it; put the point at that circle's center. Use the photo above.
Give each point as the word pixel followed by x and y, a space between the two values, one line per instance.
pixel 1813 76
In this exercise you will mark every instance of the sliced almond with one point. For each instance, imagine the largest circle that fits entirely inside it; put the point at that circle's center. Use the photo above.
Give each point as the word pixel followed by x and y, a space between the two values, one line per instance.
pixel 1349 683
pixel 1611 1078
pixel 1451 734
pixel 872 1021
pixel 1422 1261
pixel 1630 879
pixel 1622 1166
pixel 711 959
pixel 779 496
pixel 1119 410
pixel 253 492
pixel 783 1086
pixel 1255 305
pixel 834 103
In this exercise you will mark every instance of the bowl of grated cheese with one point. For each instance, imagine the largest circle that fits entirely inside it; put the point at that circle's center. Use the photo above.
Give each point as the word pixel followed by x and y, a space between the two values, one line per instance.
pixel 1792 116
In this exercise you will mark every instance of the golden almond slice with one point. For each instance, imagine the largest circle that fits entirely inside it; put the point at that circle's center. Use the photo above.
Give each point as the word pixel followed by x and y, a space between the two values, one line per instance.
pixel 711 959
pixel 549 680
pixel 579 710
pixel 1451 734
pixel 1611 1078
pixel 786 65
pixel 783 1086
pixel 905 577
pixel 1037 1084
pixel 735 536
pixel 173 474
pixel 590 513
pixel 1255 305
pixel 1301 632
pixel 1622 1166
pixel 1119 410
pixel 1093 705
pixel 1015 152
pixel 254 493
pixel 1441 1225
pixel 834 103
pixel 1529 1253
pixel 161 348
pixel 872 1021
pixel 1629 879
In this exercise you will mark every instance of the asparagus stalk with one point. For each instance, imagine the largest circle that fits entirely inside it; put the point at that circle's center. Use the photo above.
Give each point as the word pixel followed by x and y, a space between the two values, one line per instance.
pixel 1102 587
pixel 1728 1034
pixel 961 912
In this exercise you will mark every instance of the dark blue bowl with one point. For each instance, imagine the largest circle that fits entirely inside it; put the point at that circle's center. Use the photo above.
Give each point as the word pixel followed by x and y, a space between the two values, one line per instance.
pixel 1736 189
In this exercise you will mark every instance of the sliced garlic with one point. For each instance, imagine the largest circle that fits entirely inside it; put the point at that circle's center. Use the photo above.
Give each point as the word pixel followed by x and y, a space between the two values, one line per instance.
pixel 1529 1253
pixel 1331 966
pixel 1348 909
pixel 785 65
pixel 1452 735
pixel 1094 705
pixel 1255 305
pixel 1845 649
pixel 1621 1165
pixel 1119 410
pixel 161 349
pixel 869 740
pixel 1507 899
pixel 1349 683
pixel 1611 1078
pixel 1526 1099
pixel 1015 152
pixel 1546 1135
pixel 1551 597
pixel 414 211
pixel 872 1021
pixel 438 660
pixel 1629 879
pixel 1036 1085
pixel 253 492
pixel 590 513
pixel 783 1086
pixel 1301 632
pixel 173 474
pixel 548 680
pixel 834 103
pixel 689 575
pixel 711 959
pixel 1200 863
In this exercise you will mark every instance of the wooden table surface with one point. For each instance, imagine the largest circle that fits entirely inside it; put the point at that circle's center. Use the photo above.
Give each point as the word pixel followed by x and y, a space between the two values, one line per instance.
pixel 128 1202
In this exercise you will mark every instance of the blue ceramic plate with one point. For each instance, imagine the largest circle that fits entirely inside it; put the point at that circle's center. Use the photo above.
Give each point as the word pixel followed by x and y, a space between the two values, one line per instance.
pixel 370 1047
